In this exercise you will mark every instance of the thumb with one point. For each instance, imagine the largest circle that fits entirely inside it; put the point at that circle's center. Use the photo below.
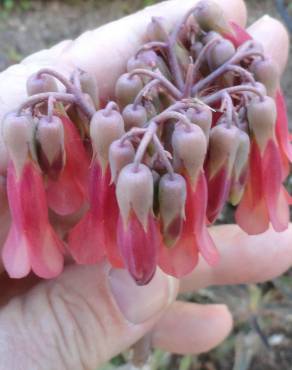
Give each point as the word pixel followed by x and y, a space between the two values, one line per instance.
pixel 82 319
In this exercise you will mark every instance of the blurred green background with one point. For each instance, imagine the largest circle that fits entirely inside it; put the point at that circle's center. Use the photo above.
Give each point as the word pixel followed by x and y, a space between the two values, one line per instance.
pixel 262 336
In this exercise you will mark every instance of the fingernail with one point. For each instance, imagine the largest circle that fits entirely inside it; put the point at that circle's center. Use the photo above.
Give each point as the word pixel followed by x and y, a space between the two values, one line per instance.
pixel 140 303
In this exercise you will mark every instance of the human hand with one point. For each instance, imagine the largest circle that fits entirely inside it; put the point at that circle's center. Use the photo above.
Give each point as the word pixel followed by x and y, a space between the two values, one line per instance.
pixel 89 314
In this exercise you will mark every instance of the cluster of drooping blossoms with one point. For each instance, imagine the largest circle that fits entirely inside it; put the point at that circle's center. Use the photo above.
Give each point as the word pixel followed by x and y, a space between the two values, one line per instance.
pixel 198 120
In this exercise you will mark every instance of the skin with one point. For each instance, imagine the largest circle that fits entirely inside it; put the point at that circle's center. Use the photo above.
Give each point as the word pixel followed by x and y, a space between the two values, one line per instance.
pixel 78 321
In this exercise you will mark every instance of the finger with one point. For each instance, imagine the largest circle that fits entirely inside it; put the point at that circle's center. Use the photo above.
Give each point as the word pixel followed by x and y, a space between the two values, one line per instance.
pixel 82 319
pixel 189 328
pixel 274 37
pixel 103 51
pixel 243 258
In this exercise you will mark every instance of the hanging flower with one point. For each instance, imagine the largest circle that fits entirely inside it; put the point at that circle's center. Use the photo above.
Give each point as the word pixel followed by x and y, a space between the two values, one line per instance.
pixel 197 121
pixel 32 244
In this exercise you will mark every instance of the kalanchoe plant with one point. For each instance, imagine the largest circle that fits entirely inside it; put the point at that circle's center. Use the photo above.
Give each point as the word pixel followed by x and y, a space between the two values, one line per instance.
pixel 198 120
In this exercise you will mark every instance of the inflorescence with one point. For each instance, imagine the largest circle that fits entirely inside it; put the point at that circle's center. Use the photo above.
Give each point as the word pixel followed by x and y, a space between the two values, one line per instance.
pixel 198 120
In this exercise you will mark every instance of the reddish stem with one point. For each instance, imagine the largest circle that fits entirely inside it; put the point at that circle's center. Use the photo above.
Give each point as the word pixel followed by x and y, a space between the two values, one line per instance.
pixel 41 97
pixel 232 90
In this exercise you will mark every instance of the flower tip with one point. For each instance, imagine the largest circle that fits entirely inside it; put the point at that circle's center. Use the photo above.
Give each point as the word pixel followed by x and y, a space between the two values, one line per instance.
pixel 37 84
pixel 190 146
pixel 134 192
pixel 50 146
pixel 210 17
pixel 105 127
pixel 138 248
pixel 120 154
pixel 18 135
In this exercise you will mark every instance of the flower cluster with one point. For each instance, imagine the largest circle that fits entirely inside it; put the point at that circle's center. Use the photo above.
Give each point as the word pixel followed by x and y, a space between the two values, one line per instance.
pixel 198 120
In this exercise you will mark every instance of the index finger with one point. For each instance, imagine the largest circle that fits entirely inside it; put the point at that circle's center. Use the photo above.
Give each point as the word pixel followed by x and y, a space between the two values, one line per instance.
pixel 244 258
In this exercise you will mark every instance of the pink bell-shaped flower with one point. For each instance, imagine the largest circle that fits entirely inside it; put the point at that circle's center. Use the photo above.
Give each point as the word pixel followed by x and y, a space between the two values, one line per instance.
pixel 94 237
pixel 137 234
pixel 32 244
pixel 264 200
pixel 68 193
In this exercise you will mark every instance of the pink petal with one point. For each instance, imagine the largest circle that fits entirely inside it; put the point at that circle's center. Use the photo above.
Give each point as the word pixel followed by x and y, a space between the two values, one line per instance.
pixel 86 239
pixel 109 214
pixel 282 133
pixel 276 202
pixel 252 213
pixel 138 248
pixel 15 254
pixel 218 190
pixel 65 196
pixel 205 243
pixel 239 35
pixel 46 253
pixel 110 219
pixel 180 259
pixel 38 242
pixel 69 192
pixel 95 234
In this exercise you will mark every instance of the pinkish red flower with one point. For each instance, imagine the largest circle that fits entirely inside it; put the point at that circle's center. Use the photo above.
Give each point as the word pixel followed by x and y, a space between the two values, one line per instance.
pixel 138 245
pixel 32 243
pixel 151 171
pixel 265 198
pixel 69 192
pixel 181 258
pixel 137 235
pixel 94 237
pixel 224 142
pixel 282 134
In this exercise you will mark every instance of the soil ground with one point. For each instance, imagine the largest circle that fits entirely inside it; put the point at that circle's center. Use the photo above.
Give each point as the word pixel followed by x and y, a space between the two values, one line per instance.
pixel 262 338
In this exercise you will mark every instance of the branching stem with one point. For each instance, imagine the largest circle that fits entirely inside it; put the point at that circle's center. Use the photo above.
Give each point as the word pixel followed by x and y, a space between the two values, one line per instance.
pixel 134 131
pixel 237 57
pixel 160 149
pixel 164 81
pixel 145 91
pixel 151 45
pixel 72 88
pixel 232 90
pixel 41 97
